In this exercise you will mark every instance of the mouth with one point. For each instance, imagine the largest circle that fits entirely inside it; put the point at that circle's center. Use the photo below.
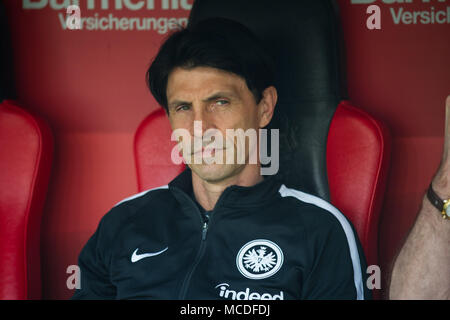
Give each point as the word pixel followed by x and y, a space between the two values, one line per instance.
pixel 206 152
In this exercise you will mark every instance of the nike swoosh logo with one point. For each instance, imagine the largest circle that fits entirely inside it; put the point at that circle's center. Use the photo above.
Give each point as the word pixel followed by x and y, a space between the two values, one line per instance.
pixel 136 257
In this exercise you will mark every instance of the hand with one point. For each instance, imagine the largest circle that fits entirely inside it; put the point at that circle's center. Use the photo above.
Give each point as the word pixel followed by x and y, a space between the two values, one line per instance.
pixel 441 181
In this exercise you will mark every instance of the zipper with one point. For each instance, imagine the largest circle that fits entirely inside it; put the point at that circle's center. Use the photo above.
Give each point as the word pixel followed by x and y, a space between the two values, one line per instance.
pixel 204 230
pixel 199 256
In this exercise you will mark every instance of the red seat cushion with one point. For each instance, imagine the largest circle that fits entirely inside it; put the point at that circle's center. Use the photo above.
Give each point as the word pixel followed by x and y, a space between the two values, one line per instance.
pixel 358 152
pixel 26 148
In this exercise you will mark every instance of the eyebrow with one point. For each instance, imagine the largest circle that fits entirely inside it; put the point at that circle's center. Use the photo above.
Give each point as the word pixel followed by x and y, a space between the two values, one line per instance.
pixel 214 96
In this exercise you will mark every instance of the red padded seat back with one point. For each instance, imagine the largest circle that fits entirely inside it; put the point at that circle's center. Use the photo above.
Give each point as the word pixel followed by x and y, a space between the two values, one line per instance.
pixel 26 148
pixel 152 151
pixel 358 153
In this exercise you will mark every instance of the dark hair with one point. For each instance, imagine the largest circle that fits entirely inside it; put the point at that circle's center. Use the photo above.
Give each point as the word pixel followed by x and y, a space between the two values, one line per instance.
pixel 218 43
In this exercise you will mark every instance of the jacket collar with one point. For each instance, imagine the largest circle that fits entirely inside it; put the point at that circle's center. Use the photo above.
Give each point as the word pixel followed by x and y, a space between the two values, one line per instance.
pixel 234 196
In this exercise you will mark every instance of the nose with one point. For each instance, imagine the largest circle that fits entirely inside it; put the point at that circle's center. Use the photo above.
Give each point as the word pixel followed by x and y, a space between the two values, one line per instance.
pixel 202 121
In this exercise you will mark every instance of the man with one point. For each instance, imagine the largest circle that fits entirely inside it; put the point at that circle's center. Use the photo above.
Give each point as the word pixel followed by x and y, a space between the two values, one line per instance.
pixel 220 230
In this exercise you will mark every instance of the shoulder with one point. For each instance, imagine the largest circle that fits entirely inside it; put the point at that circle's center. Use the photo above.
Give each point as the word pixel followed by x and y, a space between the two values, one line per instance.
pixel 129 207
pixel 315 210
pixel 320 215
pixel 142 198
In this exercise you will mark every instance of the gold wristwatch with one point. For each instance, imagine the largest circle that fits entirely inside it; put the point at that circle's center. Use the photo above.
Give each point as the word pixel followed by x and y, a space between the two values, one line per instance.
pixel 442 205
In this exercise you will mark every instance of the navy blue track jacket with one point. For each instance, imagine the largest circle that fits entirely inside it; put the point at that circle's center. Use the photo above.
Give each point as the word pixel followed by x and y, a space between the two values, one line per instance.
pixel 261 242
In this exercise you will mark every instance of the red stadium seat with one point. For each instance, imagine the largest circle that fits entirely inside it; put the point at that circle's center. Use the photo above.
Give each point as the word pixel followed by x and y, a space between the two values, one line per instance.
pixel 26 148
pixel 358 153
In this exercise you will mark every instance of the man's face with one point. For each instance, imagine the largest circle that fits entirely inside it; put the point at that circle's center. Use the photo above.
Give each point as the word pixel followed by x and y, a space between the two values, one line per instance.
pixel 221 101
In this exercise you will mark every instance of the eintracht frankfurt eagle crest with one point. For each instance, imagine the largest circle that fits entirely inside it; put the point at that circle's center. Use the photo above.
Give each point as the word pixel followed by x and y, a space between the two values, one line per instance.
pixel 259 259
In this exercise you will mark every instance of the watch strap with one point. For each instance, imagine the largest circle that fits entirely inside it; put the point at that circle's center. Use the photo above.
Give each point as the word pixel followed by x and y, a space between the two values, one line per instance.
pixel 436 201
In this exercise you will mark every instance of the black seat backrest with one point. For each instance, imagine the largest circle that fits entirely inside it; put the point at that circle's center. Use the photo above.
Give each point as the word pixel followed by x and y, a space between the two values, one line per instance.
pixel 304 39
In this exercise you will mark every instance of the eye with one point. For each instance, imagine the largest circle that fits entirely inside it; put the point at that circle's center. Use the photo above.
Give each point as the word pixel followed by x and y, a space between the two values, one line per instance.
pixel 182 107
pixel 221 102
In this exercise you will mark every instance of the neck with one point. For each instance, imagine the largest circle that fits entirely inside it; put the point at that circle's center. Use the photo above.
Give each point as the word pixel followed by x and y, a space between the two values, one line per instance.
pixel 207 193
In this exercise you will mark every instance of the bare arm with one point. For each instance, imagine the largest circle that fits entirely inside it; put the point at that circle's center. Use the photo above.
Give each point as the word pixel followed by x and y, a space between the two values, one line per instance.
pixel 422 268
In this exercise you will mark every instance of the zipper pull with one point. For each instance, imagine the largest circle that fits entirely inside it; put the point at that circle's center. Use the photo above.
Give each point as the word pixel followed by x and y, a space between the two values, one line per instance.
pixel 204 230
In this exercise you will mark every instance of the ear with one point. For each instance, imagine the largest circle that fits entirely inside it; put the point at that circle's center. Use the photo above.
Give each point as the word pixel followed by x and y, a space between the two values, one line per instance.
pixel 266 106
